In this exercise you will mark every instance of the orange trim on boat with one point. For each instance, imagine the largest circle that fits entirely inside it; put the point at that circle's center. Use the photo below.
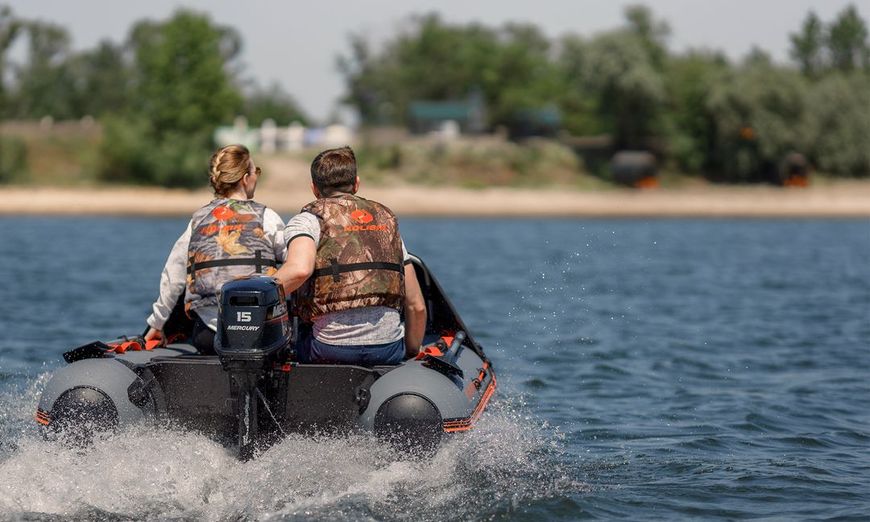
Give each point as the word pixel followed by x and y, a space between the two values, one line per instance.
pixel 429 350
pixel 42 417
pixel 454 425
pixel 136 345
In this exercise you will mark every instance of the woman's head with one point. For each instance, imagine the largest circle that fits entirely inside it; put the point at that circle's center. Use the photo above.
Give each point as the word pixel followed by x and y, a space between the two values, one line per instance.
pixel 228 169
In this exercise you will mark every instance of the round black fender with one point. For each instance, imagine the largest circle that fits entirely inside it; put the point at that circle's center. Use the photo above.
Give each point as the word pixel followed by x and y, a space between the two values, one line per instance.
pixel 101 394
pixel 410 423
pixel 79 414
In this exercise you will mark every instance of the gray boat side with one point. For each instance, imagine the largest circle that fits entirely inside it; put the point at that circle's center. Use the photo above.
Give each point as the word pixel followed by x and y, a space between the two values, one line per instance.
pixel 454 397
pixel 105 378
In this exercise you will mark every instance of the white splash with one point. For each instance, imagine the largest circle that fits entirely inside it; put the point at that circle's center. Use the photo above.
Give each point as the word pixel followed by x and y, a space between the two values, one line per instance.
pixel 143 472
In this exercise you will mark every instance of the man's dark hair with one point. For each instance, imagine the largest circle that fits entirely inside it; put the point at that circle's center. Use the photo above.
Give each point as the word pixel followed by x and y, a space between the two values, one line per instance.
pixel 334 170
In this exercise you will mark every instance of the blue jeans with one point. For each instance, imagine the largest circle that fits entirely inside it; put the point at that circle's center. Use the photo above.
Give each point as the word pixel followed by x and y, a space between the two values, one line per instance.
pixel 314 351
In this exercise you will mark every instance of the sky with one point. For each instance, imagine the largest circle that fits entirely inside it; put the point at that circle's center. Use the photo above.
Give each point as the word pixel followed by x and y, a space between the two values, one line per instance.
pixel 295 44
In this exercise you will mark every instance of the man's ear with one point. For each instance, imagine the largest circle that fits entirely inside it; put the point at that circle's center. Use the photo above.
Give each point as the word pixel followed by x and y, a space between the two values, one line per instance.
pixel 314 190
pixel 356 185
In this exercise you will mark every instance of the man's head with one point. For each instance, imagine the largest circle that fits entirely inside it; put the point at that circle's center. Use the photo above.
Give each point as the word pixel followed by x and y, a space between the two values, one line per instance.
pixel 334 171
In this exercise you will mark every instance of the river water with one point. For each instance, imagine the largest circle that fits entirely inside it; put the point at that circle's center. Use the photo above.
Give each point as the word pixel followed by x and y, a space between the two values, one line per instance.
pixel 648 369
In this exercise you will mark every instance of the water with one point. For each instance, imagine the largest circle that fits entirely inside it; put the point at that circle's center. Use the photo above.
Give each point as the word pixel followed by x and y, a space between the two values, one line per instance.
pixel 664 369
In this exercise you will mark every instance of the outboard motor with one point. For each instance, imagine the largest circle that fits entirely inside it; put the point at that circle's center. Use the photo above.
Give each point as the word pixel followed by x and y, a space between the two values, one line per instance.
pixel 253 332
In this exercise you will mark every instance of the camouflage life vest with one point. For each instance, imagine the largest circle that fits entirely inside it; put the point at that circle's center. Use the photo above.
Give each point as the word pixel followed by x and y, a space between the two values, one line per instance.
pixel 359 258
pixel 227 242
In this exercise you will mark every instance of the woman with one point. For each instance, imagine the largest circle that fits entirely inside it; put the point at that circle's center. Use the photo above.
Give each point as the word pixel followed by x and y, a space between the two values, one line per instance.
pixel 231 237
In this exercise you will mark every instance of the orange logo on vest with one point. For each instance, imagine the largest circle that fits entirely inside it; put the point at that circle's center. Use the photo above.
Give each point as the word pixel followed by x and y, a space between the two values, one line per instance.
pixel 361 216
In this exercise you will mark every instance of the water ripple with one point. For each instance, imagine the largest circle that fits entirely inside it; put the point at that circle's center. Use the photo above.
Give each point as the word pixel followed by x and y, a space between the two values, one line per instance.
pixel 668 370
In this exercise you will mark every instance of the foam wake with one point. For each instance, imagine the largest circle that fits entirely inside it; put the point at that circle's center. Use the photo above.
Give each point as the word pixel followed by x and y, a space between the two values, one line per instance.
pixel 509 459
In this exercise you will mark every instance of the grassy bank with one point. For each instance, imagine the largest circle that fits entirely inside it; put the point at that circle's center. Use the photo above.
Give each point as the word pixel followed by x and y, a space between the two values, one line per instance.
pixel 475 163
pixel 62 154
pixel 67 154
pixel 492 183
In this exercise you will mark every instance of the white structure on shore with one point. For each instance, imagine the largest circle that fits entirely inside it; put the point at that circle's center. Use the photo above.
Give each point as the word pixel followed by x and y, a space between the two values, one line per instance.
pixel 269 138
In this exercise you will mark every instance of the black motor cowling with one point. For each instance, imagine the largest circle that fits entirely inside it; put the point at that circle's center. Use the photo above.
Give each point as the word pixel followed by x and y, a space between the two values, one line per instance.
pixel 253 332
pixel 253 324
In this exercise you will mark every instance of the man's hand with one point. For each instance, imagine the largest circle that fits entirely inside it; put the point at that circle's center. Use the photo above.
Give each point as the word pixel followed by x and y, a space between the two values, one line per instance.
pixel 411 352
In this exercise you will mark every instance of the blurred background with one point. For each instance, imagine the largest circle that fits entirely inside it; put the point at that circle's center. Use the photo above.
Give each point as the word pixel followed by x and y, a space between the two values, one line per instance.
pixel 667 369
pixel 578 94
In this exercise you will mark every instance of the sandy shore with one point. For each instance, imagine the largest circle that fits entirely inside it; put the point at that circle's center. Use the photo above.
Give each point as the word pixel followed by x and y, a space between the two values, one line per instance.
pixel 284 187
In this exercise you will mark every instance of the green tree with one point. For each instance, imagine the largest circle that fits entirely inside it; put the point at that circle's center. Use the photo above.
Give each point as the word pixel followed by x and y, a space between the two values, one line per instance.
pixel 180 72
pixel 10 28
pixel 652 33
pixel 840 121
pixel 182 90
pixel 808 45
pixel 615 83
pixel 847 41
pixel 691 126
pixel 101 81
pixel 364 86
pixel 42 83
pixel 433 60
pixel 761 114
pixel 53 81
pixel 577 100
pixel 630 91
pixel 528 75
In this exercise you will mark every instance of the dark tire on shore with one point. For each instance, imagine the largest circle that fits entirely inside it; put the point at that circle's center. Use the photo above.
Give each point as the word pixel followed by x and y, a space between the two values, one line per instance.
pixel 632 168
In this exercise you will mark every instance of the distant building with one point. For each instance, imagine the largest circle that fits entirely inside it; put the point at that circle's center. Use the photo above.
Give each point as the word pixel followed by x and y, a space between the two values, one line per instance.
pixel 269 138
pixel 526 123
pixel 239 133
pixel 426 116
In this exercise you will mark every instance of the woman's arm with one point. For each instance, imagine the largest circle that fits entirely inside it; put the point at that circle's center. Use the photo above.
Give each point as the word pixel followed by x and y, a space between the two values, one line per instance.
pixel 273 228
pixel 172 283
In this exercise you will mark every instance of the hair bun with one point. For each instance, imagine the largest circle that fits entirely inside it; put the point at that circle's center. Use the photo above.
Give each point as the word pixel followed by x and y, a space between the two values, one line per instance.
pixel 227 168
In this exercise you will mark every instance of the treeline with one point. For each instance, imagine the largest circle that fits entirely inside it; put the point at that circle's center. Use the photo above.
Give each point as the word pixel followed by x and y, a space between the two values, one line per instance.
pixel 698 111
pixel 159 94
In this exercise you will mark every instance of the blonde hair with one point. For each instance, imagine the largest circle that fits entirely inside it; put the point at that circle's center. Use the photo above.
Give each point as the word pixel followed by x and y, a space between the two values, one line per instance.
pixel 228 166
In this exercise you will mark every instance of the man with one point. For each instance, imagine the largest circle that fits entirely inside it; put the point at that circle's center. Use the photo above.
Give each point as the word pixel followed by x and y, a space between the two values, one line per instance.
pixel 353 275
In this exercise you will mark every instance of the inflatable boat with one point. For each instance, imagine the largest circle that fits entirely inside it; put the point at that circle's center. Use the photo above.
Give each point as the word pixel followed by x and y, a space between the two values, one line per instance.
pixel 254 391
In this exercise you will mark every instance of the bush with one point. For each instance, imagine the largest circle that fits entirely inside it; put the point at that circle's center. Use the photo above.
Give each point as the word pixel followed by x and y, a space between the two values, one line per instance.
pixel 473 163
pixel 132 154
pixel 840 117
pixel 13 159
pixel 760 115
